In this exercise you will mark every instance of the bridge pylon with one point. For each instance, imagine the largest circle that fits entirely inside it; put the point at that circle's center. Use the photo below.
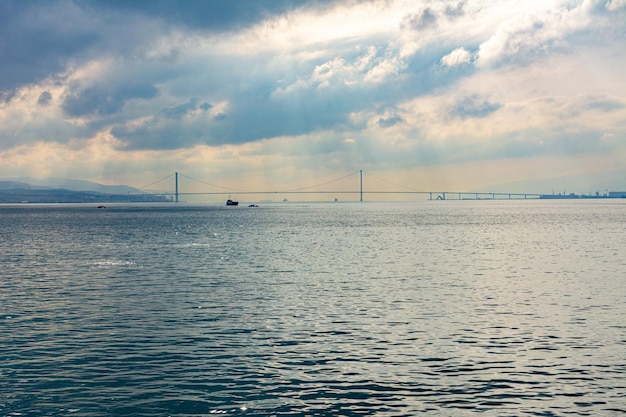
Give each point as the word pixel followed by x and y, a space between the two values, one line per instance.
pixel 361 184
pixel 176 185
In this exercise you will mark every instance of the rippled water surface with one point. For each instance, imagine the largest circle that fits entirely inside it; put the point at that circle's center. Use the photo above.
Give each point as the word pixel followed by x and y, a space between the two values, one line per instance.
pixel 504 308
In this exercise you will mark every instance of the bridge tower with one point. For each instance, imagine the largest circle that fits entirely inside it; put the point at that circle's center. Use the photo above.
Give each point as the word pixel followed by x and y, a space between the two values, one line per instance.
pixel 361 184
pixel 176 184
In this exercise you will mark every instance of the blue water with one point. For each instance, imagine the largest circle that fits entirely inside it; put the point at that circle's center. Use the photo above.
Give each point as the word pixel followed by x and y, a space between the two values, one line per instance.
pixel 498 308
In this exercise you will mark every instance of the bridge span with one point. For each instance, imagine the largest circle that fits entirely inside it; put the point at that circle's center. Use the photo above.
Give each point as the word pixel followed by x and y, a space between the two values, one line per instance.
pixel 357 189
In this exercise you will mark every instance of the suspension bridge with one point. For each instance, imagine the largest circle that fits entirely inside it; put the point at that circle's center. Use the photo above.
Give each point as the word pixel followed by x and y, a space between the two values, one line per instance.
pixel 358 184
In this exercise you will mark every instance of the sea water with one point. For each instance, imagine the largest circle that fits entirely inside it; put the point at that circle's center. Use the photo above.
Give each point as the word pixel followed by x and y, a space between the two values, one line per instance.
pixel 499 308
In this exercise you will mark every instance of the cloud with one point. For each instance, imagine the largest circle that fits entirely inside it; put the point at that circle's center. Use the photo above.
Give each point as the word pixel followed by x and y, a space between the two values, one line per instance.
pixel 458 56
pixel 430 17
pixel 474 106
pixel 104 99
pixel 615 5
pixel 8 95
pixel 275 82
pixel 454 11
pixel 524 37
pixel 389 121
pixel 185 109
pixel 424 19
pixel 181 126
pixel 606 104
pixel 35 44
pixel 38 44
pixel 44 98
pixel 214 16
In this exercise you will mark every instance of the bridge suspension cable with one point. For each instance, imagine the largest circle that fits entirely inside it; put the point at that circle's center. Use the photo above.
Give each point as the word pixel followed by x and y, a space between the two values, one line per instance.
pixel 212 185
pixel 369 174
pixel 155 182
pixel 323 184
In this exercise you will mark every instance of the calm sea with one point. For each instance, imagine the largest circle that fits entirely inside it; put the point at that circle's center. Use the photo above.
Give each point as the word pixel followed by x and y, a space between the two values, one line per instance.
pixel 498 308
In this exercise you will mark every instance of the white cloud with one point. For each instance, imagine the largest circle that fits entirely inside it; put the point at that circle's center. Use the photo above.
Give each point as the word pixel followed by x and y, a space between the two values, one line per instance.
pixel 342 22
pixel 537 33
pixel 385 69
pixel 614 5
pixel 458 56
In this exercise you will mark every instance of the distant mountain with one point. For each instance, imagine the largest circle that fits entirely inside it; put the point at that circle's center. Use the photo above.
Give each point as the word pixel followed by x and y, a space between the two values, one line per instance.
pixel 57 190
pixel 74 185
pixel 9 185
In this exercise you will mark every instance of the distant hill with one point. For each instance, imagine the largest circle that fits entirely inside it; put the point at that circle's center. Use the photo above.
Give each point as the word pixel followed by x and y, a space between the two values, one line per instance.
pixel 75 185
pixel 57 190
pixel 8 185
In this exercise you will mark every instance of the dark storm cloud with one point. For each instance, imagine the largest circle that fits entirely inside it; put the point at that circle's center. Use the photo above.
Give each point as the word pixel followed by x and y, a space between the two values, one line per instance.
pixel 162 133
pixel 36 41
pixel 179 126
pixel 253 116
pixel 213 15
pixel 40 38
pixel 136 89
pixel 104 100
pixel 91 100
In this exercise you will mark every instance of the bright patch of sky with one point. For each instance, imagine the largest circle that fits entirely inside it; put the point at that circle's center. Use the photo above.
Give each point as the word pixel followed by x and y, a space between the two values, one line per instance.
pixel 275 94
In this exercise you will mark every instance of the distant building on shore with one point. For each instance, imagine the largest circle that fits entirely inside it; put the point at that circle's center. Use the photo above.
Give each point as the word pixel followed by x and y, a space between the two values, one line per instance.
pixel 610 194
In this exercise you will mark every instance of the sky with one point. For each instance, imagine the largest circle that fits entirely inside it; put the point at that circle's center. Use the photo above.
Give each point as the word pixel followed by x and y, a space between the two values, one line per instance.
pixel 471 95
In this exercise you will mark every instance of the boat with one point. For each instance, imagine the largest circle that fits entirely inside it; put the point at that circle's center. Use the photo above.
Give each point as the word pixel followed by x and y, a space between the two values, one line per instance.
pixel 230 202
pixel 253 205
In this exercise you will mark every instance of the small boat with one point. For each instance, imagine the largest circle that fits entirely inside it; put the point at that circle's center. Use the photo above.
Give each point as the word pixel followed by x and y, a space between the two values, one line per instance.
pixel 253 205
pixel 230 202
